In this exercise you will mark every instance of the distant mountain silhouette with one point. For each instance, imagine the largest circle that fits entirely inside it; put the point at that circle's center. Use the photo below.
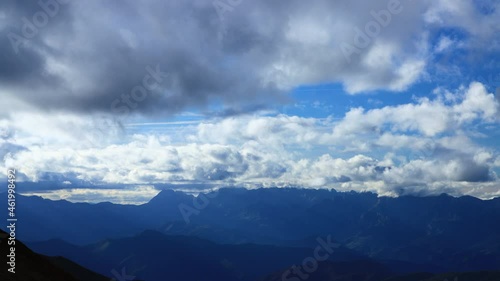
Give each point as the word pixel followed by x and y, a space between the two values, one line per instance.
pixel 153 256
pixel 442 232
pixel 30 266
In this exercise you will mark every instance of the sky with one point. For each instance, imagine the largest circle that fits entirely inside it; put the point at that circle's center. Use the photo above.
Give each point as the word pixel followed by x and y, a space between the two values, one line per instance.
pixel 115 100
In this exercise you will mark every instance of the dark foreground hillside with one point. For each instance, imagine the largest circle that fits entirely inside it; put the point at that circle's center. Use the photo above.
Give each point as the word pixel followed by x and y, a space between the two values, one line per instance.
pixel 30 266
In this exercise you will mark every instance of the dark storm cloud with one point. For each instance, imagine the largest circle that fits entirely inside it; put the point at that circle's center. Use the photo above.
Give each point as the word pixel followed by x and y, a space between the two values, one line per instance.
pixel 91 53
pixel 104 54
pixel 14 68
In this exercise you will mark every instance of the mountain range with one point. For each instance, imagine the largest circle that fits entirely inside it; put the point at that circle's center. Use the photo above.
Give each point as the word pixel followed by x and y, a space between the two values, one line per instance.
pixel 240 234
pixel 155 256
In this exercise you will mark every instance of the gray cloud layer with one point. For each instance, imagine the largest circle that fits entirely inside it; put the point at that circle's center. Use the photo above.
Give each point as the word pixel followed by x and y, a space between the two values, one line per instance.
pixel 88 53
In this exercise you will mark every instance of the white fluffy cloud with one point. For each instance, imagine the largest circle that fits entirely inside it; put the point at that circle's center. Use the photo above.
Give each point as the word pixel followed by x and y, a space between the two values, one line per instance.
pixel 428 116
pixel 422 147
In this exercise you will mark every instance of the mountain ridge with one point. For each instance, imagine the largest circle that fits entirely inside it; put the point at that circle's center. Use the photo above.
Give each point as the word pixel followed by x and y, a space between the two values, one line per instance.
pixel 451 233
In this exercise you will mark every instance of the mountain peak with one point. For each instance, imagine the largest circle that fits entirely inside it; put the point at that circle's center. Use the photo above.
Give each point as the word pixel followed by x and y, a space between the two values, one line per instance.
pixel 167 195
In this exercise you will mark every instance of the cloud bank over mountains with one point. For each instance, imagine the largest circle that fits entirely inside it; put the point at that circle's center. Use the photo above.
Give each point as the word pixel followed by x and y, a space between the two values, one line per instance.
pixel 424 147
pixel 188 92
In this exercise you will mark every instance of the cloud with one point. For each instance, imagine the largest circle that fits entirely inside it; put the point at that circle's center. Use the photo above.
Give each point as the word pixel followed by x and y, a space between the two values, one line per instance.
pixel 468 15
pixel 135 195
pixel 444 44
pixel 87 55
pixel 428 117
pixel 427 146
